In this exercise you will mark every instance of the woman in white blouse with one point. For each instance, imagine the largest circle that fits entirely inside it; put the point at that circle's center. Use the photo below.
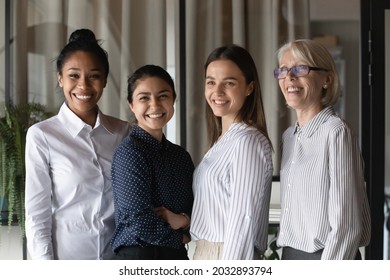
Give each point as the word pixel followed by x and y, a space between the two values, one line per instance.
pixel 69 204
pixel 232 184
pixel 324 207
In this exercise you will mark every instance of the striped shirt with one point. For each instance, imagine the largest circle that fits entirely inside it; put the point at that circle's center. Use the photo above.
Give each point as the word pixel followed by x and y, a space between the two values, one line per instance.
pixel 323 200
pixel 232 187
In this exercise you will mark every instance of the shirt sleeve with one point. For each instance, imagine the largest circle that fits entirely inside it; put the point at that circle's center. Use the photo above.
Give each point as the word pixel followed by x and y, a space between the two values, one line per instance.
pixel 38 196
pixel 251 179
pixel 132 182
pixel 346 195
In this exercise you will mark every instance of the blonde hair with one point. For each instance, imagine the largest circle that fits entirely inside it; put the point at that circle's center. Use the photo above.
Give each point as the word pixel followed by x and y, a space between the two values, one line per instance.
pixel 315 55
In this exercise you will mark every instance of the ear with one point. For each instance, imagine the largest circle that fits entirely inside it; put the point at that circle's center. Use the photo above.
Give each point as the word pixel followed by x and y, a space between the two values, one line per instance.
pixel 105 83
pixel 131 107
pixel 59 79
pixel 329 79
pixel 250 88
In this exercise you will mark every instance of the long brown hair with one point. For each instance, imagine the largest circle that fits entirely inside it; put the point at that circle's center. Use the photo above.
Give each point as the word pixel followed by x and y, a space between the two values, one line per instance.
pixel 252 111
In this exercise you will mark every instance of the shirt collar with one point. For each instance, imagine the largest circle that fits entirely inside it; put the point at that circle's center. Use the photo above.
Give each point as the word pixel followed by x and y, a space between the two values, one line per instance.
pixel 142 135
pixel 313 125
pixel 74 124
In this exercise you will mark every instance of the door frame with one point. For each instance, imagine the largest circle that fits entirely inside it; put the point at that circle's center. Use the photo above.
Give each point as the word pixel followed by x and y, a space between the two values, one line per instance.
pixel 373 115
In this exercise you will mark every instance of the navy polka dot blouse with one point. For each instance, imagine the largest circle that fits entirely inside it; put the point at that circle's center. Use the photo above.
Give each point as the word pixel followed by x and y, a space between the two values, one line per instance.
pixel 146 174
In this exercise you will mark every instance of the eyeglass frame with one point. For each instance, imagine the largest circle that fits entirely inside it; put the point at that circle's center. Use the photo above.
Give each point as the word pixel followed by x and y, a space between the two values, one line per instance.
pixel 279 70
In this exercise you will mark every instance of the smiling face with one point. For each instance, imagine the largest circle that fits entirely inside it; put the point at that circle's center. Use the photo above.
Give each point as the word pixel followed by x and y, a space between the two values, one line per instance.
pixel 152 105
pixel 226 90
pixel 82 79
pixel 302 93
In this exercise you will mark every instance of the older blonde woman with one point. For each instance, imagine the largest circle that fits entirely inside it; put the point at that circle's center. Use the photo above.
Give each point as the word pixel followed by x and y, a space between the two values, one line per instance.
pixel 324 205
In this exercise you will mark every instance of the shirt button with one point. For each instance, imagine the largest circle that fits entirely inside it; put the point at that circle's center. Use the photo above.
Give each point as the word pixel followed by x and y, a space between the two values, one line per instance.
pixel 95 162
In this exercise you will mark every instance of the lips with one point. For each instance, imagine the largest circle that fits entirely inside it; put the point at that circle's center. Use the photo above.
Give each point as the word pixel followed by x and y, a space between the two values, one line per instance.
pixel 155 115
pixel 293 89
pixel 82 97
pixel 220 102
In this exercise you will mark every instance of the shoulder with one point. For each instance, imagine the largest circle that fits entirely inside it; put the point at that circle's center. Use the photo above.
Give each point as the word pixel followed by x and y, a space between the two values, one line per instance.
pixel 179 151
pixel 249 141
pixel 115 121
pixel 115 125
pixel 129 145
pixel 289 131
pixel 327 122
pixel 176 147
pixel 335 126
pixel 129 155
pixel 45 126
pixel 248 135
pixel 132 147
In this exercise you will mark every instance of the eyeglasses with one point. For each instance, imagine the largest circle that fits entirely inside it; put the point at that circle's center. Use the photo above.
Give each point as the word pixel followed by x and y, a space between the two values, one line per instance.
pixel 298 71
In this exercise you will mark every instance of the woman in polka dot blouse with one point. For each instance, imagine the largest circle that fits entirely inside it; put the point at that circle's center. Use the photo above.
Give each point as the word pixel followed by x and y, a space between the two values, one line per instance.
pixel 151 177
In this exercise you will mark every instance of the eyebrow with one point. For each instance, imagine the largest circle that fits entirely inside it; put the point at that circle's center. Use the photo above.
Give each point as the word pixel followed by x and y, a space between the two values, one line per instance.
pixel 226 78
pixel 149 93
pixel 78 69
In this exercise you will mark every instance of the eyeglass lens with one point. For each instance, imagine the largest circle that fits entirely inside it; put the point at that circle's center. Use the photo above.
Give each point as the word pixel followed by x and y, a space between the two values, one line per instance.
pixel 300 70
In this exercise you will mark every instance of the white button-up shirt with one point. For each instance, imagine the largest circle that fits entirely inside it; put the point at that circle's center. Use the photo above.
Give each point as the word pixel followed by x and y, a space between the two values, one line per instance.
pixel 69 204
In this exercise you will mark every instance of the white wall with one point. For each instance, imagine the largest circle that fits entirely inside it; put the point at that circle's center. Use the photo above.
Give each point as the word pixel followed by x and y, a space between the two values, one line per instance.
pixel 10 243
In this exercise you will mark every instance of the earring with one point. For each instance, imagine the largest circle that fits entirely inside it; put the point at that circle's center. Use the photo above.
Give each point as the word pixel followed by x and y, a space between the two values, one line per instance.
pixel 325 86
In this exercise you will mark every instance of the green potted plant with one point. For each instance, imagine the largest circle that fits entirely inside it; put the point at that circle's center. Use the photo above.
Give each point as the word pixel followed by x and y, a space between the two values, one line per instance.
pixel 14 123
pixel 272 251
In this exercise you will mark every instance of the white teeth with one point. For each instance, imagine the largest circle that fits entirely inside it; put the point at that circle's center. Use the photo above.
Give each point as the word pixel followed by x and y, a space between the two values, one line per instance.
pixel 291 89
pixel 155 116
pixel 220 102
pixel 83 97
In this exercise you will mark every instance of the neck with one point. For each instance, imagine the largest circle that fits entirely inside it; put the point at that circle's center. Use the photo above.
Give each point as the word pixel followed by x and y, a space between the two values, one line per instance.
pixel 89 117
pixel 225 127
pixel 91 120
pixel 304 116
pixel 155 133
pixel 227 122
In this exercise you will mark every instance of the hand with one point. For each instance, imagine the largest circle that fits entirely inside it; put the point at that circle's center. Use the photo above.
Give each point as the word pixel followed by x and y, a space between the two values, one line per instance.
pixel 176 221
pixel 186 238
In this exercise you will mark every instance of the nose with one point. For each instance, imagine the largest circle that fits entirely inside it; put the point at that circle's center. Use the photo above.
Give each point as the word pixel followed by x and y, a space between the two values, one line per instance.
pixel 83 83
pixel 290 75
pixel 219 89
pixel 154 101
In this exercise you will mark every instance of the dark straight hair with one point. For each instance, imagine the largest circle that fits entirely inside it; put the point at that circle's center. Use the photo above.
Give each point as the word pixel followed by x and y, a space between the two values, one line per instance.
pixel 148 71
